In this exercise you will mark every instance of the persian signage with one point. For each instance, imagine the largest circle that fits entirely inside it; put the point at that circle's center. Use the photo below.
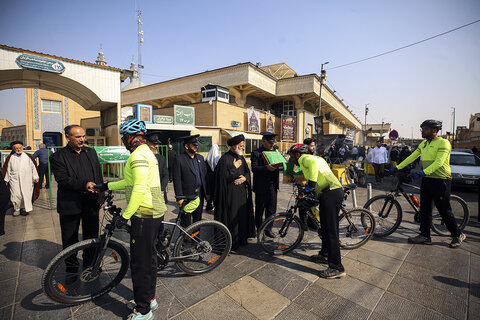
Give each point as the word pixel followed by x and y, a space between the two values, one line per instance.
pixel 112 154
pixel 235 124
pixel 288 128
pixel 184 115
pixel 350 135
pixel 38 63
pixel 253 120
pixel 162 119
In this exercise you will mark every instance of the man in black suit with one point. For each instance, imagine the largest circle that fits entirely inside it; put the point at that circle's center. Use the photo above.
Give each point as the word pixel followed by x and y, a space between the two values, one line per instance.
pixel 265 181
pixel 76 169
pixel 153 142
pixel 189 173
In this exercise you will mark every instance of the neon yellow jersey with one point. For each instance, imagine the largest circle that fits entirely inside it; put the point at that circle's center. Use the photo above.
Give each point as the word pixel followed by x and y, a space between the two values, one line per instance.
pixel 316 169
pixel 435 158
pixel 142 185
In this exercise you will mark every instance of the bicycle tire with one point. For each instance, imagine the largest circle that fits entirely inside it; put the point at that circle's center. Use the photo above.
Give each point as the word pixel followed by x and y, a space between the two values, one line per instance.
pixel 212 237
pixel 460 212
pixel 384 226
pixel 55 283
pixel 280 244
pixel 356 227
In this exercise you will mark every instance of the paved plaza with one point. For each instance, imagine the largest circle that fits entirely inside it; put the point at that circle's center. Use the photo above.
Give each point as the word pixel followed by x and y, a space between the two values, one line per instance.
pixel 386 278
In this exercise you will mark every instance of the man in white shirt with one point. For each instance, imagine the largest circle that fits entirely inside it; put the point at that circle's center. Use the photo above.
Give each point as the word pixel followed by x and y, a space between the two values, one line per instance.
pixel 379 159
pixel 354 153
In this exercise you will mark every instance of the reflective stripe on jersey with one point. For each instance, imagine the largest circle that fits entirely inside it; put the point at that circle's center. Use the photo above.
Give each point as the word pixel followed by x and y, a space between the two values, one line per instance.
pixel 316 169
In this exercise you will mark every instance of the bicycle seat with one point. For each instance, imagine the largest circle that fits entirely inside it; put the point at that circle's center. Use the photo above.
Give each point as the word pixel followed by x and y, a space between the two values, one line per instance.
pixel 351 186
pixel 187 198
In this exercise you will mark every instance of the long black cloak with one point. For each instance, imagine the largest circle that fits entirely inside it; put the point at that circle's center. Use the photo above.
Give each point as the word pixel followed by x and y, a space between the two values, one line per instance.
pixel 233 203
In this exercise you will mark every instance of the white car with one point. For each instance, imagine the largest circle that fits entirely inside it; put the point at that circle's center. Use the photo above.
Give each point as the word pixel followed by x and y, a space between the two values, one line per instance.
pixel 465 168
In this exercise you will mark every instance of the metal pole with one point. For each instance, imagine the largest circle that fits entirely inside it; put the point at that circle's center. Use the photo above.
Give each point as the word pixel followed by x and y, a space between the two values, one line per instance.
pixel 453 128
pixel 369 192
pixel 354 198
pixel 322 79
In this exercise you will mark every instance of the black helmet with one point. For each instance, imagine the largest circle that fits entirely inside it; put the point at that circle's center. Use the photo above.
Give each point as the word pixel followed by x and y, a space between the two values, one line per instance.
pixel 300 148
pixel 434 124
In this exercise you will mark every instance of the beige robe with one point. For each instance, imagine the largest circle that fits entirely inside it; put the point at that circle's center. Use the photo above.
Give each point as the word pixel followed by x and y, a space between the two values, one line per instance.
pixel 20 174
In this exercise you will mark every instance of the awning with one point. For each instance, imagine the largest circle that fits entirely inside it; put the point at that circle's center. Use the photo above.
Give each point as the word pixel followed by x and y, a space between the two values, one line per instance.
pixel 252 136
pixel 177 127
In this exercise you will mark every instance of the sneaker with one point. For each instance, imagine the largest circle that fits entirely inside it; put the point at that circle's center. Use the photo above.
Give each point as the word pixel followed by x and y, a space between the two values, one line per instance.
pixel 16 213
pixel 153 305
pixel 135 315
pixel 420 240
pixel 319 258
pixel 330 273
pixel 457 241
pixel 23 212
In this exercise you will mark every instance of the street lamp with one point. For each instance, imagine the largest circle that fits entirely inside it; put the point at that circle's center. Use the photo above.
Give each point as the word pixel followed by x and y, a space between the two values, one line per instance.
pixel 323 76
pixel 453 127
pixel 365 129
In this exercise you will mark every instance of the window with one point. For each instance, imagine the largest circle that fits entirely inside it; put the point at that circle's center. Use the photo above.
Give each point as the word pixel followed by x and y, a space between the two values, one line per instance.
pixel 288 108
pixel 51 106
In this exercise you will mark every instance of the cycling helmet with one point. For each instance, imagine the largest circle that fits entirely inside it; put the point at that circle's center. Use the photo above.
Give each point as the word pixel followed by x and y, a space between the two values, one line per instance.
pixel 434 124
pixel 134 127
pixel 300 148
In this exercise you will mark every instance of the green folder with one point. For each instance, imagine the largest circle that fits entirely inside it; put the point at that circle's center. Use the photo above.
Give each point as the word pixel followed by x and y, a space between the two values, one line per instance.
pixel 274 158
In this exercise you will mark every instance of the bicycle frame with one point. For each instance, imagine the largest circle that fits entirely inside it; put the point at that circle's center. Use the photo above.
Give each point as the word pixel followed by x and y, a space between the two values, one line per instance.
pixel 400 191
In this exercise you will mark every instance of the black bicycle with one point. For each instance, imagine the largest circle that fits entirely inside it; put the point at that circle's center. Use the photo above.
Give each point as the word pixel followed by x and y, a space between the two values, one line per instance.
pixel 356 226
pixel 91 268
pixel 388 211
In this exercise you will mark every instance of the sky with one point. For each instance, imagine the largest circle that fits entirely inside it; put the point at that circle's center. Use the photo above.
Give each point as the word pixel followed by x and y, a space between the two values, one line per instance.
pixel 186 37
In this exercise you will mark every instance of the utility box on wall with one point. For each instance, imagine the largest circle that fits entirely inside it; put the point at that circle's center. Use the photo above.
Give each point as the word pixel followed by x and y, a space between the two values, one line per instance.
pixel 143 112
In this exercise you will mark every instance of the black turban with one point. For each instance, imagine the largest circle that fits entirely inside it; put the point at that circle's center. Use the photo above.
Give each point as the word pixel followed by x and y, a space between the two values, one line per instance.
pixel 14 143
pixel 235 140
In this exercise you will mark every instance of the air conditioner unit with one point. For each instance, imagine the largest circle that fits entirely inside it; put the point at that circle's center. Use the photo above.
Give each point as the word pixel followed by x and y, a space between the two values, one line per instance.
pixel 92 132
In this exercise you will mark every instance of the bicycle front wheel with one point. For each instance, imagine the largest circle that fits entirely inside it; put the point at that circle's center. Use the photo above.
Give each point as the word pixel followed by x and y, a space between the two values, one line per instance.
pixel 387 212
pixel 355 228
pixel 280 234
pixel 70 278
pixel 203 247
pixel 460 212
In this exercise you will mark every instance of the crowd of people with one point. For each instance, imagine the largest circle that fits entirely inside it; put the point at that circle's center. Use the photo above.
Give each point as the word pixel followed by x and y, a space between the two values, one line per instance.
pixel 225 182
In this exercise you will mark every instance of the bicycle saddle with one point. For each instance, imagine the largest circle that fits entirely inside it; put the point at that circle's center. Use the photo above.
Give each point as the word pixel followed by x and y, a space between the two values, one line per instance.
pixel 187 198
pixel 351 186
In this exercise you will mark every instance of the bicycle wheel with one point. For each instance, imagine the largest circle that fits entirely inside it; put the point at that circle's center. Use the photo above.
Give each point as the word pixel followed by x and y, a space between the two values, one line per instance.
pixel 387 212
pixel 287 231
pixel 69 278
pixel 460 212
pixel 355 228
pixel 210 245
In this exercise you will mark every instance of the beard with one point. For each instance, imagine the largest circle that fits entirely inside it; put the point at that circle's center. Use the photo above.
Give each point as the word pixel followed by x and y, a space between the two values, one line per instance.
pixel 238 151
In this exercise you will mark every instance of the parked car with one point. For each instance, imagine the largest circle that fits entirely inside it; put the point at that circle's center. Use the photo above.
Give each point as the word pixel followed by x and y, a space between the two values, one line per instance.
pixel 463 150
pixel 465 168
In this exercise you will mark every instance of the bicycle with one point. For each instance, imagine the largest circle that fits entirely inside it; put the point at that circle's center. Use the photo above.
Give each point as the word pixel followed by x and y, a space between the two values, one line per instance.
pixel 199 248
pixel 356 226
pixel 388 211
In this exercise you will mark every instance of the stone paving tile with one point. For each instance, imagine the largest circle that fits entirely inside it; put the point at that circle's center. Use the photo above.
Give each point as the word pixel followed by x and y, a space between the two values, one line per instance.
pixel 300 266
pixel 233 268
pixel 376 260
pixel 10 251
pixel 367 273
pixel 168 305
pixel 328 305
pixel 247 292
pixel 184 316
pixel 220 306
pixel 189 289
pixel 296 312
pixel 284 282
pixel 434 279
pixel 360 292
pixel 429 297
pixel 474 310
pixel 116 309
pixel 453 262
pixel 107 299
pixel 28 283
pixel 9 270
pixel 394 307
pixel 6 312
pixel 386 249
pixel 475 278
pixel 40 308
pixel 8 289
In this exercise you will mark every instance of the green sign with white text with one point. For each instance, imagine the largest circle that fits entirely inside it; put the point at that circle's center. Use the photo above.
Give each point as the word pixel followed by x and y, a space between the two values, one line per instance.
pixel 112 154
pixel 27 61
pixel 184 115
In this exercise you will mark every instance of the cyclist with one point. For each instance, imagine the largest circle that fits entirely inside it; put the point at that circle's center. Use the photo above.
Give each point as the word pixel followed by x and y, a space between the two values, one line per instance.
pixel 146 208
pixel 436 182
pixel 329 191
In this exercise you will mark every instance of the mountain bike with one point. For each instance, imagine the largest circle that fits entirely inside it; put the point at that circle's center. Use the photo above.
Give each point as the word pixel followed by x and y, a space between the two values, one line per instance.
pixel 356 226
pixel 93 267
pixel 388 211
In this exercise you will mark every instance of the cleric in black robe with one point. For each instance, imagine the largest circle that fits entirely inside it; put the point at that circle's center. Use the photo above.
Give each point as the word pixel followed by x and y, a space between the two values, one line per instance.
pixel 233 193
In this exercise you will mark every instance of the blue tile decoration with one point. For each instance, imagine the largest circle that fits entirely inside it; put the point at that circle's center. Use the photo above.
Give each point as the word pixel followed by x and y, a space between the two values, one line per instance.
pixel 35 109
pixel 66 110
pixel 52 122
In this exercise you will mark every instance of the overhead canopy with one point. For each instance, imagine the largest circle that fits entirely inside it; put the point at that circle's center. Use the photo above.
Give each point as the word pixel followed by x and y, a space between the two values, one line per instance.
pixel 177 127
pixel 251 136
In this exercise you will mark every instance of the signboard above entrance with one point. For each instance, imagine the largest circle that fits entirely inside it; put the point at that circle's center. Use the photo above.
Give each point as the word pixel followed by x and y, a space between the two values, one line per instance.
pixel 184 115
pixel 33 62
pixel 162 119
